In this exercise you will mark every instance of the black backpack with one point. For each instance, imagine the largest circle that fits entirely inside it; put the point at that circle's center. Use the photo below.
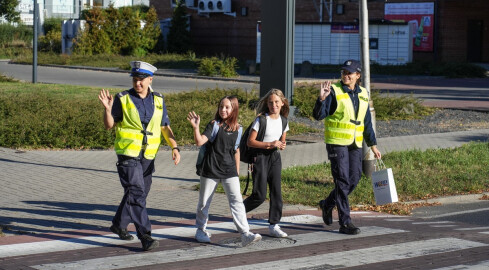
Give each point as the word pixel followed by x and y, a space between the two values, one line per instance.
pixel 247 154
pixel 203 148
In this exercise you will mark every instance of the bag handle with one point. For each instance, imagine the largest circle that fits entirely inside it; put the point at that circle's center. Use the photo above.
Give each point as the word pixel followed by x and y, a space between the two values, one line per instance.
pixel 379 165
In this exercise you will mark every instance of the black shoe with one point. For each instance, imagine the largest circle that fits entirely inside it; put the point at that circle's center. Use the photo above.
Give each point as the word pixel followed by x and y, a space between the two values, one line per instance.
pixel 122 233
pixel 349 229
pixel 327 212
pixel 148 242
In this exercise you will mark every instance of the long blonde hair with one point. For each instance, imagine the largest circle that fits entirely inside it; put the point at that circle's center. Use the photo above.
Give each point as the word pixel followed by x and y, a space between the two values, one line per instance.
pixel 262 106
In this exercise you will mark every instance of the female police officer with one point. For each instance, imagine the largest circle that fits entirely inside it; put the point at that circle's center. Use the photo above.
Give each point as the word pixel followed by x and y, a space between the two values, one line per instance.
pixel 344 106
pixel 140 118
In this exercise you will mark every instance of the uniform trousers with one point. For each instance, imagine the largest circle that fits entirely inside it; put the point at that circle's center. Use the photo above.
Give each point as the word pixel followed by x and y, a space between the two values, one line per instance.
pixel 232 189
pixel 346 168
pixel 135 175
pixel 267 170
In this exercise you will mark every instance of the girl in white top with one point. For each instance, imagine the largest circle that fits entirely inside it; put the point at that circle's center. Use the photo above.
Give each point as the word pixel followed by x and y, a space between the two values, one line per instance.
pixel 267 165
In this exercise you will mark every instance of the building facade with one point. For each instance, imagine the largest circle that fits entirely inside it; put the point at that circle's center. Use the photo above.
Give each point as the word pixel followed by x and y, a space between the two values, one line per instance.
pixel 66 9
pixel 445 30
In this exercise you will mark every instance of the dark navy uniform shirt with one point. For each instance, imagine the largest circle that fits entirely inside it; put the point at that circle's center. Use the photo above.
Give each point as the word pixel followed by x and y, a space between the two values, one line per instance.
pixel 328 107
pixel 145 108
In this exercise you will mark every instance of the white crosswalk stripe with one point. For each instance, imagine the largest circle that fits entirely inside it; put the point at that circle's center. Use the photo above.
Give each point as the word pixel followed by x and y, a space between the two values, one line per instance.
pixel 472 228
pixel 112 239
pixel 309 240
pixel 478 266
pixel 207 251
pixel 368 255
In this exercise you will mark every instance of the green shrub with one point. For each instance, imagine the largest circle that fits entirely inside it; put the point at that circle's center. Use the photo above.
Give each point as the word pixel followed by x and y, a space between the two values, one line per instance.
pixel 10 34
pixel 304 98
pixel 212 66
pixel 94 39
pixel 208 66
pixel 387 107
pixel 118 31
pixel 462 70
pixel 405 107
pixel 4 78
pixel 51 42
pixel 30 120
pixel 228 66
pixel 52 24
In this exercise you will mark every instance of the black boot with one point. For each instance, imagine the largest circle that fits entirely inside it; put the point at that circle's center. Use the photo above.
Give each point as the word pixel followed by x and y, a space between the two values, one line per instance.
pixel 327 212
pixel 122 233
pixel 148 242
pixel 349 229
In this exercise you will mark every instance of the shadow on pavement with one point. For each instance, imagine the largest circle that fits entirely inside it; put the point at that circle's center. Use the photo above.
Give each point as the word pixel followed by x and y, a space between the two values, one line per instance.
pixel 93 170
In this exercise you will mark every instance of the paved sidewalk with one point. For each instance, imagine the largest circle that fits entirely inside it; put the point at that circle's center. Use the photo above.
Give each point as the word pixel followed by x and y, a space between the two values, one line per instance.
pixel 52 191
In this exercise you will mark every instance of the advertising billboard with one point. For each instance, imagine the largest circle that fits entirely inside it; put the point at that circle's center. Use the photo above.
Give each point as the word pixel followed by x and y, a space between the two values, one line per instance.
pixel 421 18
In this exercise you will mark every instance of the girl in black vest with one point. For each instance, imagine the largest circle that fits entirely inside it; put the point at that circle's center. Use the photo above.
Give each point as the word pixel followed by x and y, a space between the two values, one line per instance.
pixel 221 165
pixel 267 165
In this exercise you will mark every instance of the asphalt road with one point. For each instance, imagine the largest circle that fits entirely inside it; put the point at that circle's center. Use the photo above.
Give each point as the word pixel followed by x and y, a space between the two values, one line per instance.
pixel 474 213
pixel 101 79
pixel 434 91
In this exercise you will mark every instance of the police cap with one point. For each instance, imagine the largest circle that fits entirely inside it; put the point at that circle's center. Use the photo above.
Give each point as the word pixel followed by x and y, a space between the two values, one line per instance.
pixel 142 69
pixel 352 66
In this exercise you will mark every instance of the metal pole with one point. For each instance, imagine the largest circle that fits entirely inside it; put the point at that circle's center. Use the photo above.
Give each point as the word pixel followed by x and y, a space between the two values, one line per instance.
pixel 330 10
pixel 34 42
pixel 369 159
pixel 277 47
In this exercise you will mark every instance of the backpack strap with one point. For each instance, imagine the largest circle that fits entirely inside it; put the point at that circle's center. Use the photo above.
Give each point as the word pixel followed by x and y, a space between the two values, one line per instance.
pixel 284 125
pixel 238 140
pixel 215 129
pixel 263 127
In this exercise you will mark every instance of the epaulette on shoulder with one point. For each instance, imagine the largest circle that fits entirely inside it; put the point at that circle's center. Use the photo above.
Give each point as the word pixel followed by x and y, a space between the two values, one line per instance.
pixel 123 93
pixel 158 94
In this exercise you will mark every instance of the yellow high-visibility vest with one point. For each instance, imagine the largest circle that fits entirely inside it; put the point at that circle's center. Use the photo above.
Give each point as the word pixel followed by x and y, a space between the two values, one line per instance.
pixel 129 132
pixel 343 127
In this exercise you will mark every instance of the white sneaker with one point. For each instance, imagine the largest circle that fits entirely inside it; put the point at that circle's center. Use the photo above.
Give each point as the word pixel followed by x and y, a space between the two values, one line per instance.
pixel 202 236
pixel 248 238
pixel 275 231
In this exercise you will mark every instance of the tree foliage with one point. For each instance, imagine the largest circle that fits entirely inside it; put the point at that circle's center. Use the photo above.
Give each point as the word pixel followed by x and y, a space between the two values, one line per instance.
pixel 178 39
pixel 119 31
pixel 7 9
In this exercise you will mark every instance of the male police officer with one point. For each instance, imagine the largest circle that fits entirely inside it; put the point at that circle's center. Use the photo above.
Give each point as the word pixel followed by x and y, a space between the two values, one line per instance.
pixel 140 118
pixel 344 106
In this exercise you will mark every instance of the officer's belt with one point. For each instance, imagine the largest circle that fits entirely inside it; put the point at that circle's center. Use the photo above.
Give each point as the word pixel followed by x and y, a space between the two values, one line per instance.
pixel 145 138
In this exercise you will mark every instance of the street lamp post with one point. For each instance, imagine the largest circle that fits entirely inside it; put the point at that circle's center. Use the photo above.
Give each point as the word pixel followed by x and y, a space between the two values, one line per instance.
pixel 369 159
pixel 34 42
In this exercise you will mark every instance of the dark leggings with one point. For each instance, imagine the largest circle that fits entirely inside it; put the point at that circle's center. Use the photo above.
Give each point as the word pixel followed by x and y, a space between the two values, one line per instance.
pixel 267 170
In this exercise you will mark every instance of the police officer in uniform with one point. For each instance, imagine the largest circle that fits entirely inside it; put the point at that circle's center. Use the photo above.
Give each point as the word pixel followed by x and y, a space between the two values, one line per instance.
pixel 347 122
pixel 140 118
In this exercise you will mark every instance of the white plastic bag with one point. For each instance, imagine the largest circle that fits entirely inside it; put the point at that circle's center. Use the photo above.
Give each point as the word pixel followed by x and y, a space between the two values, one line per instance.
pixel 383 184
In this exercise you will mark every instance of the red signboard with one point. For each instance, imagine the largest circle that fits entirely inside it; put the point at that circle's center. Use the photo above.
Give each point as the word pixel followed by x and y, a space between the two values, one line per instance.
pixel 421 18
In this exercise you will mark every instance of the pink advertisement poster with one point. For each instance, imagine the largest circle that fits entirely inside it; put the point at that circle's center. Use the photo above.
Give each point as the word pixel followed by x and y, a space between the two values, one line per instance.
pixel 421 18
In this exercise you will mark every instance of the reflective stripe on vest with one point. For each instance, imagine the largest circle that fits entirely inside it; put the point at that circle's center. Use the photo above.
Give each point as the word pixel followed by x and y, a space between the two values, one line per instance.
pixel 129 132
pixel 343 128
